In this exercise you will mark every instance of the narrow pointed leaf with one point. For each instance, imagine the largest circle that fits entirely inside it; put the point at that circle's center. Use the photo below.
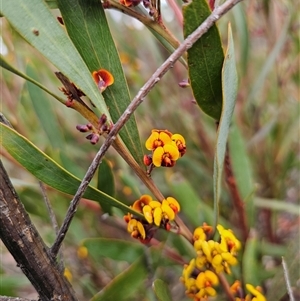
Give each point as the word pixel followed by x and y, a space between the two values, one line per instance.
pixel 125 284
pixel 242 171
pixel 37 25
pixel 161 290
pixel 205 59
pixel 250 264
pixel 87 27
pixel 47 170
pixel 229 90
pixel 106 181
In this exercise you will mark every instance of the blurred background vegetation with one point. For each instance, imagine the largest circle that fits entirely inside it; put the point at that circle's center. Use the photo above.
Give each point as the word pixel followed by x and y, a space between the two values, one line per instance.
pixel 264 147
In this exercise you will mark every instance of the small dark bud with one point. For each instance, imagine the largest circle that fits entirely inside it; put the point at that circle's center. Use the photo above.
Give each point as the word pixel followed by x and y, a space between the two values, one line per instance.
pixel 89 136
pixel 147 160
pixel 83 128
pixel 95 138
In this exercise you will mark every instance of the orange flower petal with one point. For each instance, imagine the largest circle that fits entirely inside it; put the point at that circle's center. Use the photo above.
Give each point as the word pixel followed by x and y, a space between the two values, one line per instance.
pixel 103 79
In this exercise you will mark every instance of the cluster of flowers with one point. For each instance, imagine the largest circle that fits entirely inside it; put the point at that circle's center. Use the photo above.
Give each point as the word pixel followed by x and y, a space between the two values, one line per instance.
pixel 166 148
pixel 200 276
pixel 155 213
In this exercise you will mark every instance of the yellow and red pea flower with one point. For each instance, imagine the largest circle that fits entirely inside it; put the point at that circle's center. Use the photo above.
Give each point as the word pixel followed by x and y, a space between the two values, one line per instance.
pixel 256 292
pixel 166 156
pixel 136 229
pixel 180 143
pixel 158 138
pixel 161 212
pixel 154 212
pixel 166 148
pixel 103 79
pixel 229 243
pixel 205 282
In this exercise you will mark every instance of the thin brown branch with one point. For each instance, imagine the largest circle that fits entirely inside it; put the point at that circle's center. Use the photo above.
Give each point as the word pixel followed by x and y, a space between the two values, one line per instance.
pixel 237 200
pixel 27 247
pixel 52 218
pixel 139 98
pixel 5 298
pixel 226 287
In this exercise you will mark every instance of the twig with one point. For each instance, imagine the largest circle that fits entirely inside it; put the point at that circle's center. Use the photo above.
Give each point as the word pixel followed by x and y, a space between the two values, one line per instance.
pixel 139 98
pixel 5 298
pixel 226 287
pixel 53 219
pixel 49 208
pixel 287 280
pixel 27 247
pixel 236 197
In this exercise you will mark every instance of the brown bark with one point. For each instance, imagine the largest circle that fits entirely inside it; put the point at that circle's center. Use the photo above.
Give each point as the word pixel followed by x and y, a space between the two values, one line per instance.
pixel 27 247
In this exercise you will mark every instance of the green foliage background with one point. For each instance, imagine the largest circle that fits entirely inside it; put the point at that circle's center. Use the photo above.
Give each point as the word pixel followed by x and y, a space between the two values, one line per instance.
pixel 263 143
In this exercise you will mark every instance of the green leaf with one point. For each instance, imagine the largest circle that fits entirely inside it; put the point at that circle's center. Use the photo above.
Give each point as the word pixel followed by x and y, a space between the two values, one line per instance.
pixel 242 171
pixel 249 261
pixel 229 90
pixel 7 66
pixel 110 248
pixel 106 181
pixel 277 205
pixel 205 59
pixel 44 111
pixel 37 25
pixel 161 290
pixel 125 284
pixel 48 171
pixel 87 27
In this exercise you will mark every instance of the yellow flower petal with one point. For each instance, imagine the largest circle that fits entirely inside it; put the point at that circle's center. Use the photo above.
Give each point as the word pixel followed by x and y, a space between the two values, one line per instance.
pixel 206 250
pixel 173 204
pixel 199 234
pixel 212 277
pixel 158 156
pixel 165 138
pixel 154 204
pixel 172 151
pixel 229 258
pixel 131 225
pixel 178 137
pixel 254 291
pixel 82 252
pixel 210 291
pixel 147 211
pixel 141 229
pixel 150 141
pixel 200 280
pixel 157 216
pixel 167 210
